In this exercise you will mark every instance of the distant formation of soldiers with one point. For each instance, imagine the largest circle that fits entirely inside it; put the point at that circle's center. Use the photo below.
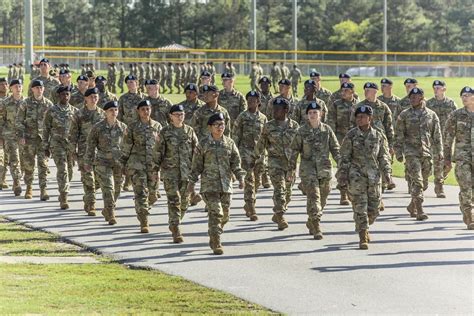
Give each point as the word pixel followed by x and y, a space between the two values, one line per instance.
pixel 221 136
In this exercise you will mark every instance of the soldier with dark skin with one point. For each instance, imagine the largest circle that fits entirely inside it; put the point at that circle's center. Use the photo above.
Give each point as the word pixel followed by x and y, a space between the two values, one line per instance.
pixel 320 92
pixel 104 94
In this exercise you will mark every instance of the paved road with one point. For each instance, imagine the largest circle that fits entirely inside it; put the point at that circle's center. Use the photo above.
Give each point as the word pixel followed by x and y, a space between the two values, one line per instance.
pixel 411 267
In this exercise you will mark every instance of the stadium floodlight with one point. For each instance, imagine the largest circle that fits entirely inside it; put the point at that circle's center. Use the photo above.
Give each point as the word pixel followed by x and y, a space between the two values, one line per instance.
pixel 28 56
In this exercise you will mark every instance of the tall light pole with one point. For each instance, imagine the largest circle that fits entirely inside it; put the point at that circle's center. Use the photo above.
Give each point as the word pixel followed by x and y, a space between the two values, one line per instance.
pixel 295 30
pixel 42 27
pixel 253 31
pixel 28 34
pixel 385 38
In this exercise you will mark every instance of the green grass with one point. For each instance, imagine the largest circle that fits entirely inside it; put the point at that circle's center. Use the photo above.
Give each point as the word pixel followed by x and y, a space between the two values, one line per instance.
pixel 104 288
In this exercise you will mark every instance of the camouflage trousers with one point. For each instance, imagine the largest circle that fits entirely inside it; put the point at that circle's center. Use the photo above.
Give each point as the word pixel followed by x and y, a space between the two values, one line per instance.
pixel 261 168
pixel 438 172
pixel 3 164
pixel 366 198
pixel 88 183
pixel 178 199
pixel 64 169
pixel 32 151
pixel 294 87
pixel 169 83
pixel 253 84
pixel 419 169
pixel 217 203
pixel 275 83
pixel 110 181
pixel 12 155
pixel 464 172
pixel 282 189
pixel 317 191
pixel 249 189
pixel 143 184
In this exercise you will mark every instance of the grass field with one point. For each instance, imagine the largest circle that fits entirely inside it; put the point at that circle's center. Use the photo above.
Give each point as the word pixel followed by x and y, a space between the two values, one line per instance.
pixel 103 288
pixel 454 86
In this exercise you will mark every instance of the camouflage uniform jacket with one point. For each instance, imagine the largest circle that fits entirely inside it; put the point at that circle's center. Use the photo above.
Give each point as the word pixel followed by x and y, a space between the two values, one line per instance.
pixel 314 145
pixel 392 103
pixel 215 161
pixel 323 94
pixel 234 102
pixel 403 104
pixel 8 111
pixel 57 123
pixel 459 129
pixel 105 97
pixel 81 125
pixel 299 113
pixel 138 145
pixel 277 140
pixel 339 117
pixel 264 108
pixel 442 108
pixel 29 119
pixel 174 152
pixel 292 100
pixel 50 85
pixel 418 134
pixel 128 107
pixel 200 117
pixel 104 143
pixel 189 109
pixel 159 109
pixel 77 99
pixel 336 95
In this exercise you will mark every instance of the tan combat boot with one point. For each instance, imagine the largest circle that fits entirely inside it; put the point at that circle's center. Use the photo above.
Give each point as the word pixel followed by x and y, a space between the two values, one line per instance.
pixel 411 208
pixel 265 181
pixel 44 194
pixel 91 209
pixel 144 228
pixel 176 234
pixel 225 218
pixel 468 220
pixel 317 233
pixel 310 227
pixel 16 187
pixel 420 215
pixel 106 214
pixel 250 211
pixel 439 190
pixel 63 202
pixel 280 220
pixel 152 198
pixel 215 244
pixel 363 239
pixel 29 192
pixel 344 198
pixel 195 199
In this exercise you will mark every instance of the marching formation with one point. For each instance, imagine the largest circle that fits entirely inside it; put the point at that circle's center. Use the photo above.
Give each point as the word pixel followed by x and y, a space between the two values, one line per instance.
pixel 218 137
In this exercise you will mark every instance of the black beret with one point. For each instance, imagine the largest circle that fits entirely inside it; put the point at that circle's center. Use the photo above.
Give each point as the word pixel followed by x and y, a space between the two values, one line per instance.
pixel 311 82
pixel 206 88
pixel 252 94
pixel 37 83
pixel 264 79
pixel 110 104
pixel 281 102
pixel 313 106
pixel 151 82
pixel 314 74
pixel 82 77
pixel 100 78
pixel 191 87
pixel 227 75
pixel 3 79
pixel 205 73
pixel 466 89
pixel 371 85
pixel 177 108
pixel 416 91
pixel 215 117
pixel 91 91
pixel 44 60
pixel 347 85
pixel 16 81
pixel 439 83
pixel 386 81
pixel 365 109
pixel 346 76
pixel 130 77
pixel 410 80
pixel 63 88
pixel 143 103
pixel 285 82
pixel 63 72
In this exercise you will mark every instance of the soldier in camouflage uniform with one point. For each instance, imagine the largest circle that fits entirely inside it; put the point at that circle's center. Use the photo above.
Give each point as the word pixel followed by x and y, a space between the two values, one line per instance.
pixel 141 77
pixel 216 160
pixel 381 119
pixel 169 77
pixel 104 94
pixel 246 132
pixel 284 85
pixel 339 119
pixel 202 115
pixel 276 139
pixel 8 111
pixel 137 157
pixel 29 131
pixel 103 146
pixel 160 105
pixel 265 96
pixel 3 155
pixel 121 77
pixel 81 125
pixel 285 71
pixel 299 113
pixel 459 129
pixel 191 104
pixel 231 99
pixel 343 78
pixel 177 77
pixel 314 141
pixel 364 159
pixel 254 74
pixel 404 103
pixel 295 77
pixel 57 122
pixel 320 92
pixel 77 97
pixel 173 156
pixel 388 97
pixel 419 142
pixel 442 106
pixel 163 74
pixel 50 83
pixel 275 74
